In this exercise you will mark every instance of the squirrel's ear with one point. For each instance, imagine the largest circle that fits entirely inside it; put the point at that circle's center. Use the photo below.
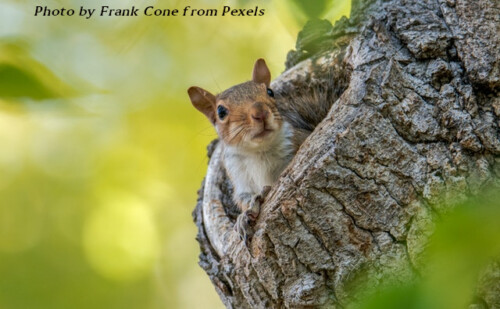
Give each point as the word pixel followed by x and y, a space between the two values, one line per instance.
pixel 261 73
pixel 203 101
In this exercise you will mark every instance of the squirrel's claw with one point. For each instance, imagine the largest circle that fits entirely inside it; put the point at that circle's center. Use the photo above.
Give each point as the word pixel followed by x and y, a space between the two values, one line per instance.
pixel 243 227
pixel 265 191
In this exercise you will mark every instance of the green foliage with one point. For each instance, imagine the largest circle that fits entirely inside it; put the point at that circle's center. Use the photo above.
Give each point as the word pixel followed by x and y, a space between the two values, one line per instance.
pixel 23 77
pixel 465 243
pixel 312 9
pixel 296 13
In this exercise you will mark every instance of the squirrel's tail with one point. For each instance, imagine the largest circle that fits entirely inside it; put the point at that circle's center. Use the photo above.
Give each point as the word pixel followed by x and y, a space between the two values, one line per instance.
pixel 306 107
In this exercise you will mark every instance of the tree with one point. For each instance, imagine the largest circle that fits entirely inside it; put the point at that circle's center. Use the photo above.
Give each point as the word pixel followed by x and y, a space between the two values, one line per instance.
pixel 413 130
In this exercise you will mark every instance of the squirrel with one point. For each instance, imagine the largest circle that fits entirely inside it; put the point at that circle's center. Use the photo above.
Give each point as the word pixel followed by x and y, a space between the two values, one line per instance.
pixel 258 135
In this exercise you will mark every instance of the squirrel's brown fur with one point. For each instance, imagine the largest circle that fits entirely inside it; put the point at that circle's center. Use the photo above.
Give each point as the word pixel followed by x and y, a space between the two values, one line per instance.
pixel 260 134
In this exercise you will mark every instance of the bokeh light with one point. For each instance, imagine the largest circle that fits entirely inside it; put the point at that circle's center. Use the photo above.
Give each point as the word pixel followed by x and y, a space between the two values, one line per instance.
pixel 120 238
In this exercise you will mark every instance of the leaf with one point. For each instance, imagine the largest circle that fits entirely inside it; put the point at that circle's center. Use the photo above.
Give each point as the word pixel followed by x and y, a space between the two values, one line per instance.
pixel 312 8
pixel 21 76
pixel 15 83
pixel 294 14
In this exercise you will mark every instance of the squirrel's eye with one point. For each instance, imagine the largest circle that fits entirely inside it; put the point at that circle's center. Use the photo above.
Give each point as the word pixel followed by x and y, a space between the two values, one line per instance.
pixel 270 92
pixel 222 112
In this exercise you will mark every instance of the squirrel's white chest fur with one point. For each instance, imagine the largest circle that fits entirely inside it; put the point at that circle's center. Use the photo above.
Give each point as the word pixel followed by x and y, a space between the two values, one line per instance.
pixel 251 170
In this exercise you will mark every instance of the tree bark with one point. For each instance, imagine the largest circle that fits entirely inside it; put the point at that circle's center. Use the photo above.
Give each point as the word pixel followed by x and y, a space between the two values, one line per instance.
pixel 413 130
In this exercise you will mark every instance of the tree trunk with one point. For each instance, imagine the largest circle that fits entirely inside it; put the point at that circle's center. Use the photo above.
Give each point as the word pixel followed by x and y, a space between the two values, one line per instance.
pixel 413 130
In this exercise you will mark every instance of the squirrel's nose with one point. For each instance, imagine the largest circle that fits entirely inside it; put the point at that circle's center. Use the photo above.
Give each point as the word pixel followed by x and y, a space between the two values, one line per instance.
pixel 259 116
pixel 258 112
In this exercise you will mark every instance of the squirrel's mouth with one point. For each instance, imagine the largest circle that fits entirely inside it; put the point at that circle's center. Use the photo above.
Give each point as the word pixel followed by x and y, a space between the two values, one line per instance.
pixel 265 132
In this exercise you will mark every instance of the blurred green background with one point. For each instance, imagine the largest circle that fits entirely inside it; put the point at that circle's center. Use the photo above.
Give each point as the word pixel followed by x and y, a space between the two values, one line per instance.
pixel 102 153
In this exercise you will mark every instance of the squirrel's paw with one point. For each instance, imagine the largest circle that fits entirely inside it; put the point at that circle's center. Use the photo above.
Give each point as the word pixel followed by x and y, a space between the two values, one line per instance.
pixel 246 220
pixel 243 227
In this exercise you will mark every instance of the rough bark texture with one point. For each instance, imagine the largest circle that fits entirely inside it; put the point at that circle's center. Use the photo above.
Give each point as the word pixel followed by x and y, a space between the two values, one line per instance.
pixel 413 130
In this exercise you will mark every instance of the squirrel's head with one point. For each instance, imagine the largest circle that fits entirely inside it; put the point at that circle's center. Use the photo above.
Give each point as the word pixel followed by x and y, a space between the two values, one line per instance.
pixel 244 115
